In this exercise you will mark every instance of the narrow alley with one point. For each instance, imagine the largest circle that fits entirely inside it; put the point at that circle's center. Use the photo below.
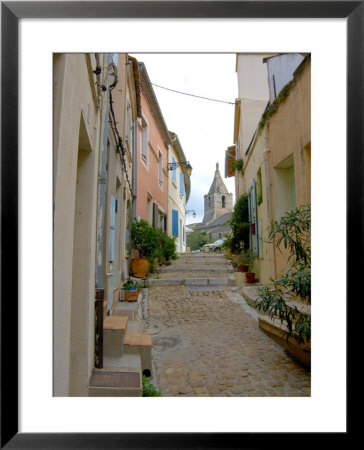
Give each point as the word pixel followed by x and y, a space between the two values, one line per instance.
pixel 206 339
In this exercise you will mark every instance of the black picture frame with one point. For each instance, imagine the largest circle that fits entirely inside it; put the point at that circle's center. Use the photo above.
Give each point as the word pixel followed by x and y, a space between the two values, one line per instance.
pixel 11 12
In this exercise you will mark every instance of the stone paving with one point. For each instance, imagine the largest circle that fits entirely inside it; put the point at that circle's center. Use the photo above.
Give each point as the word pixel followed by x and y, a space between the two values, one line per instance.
pixel 205 345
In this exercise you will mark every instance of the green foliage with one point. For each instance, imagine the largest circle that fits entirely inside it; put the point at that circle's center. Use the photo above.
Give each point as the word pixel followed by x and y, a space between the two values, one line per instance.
pixel 148 389
pixel 167 246
pixel 130 284
pixel 145 239
pixel 152 242
pixel 237 165
pixel 196 239
pixel 294 232
pixel 240 225
pixel 248 257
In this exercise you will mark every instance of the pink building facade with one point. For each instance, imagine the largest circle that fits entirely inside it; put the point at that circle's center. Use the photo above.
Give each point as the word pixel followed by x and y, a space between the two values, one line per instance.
pixel 152 158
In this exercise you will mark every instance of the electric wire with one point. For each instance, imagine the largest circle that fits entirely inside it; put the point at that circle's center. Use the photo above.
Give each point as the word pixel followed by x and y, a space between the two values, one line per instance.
pixel 185 93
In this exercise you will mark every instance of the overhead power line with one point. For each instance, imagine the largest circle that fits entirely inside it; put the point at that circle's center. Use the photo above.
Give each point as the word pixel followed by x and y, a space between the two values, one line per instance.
pixel 185 93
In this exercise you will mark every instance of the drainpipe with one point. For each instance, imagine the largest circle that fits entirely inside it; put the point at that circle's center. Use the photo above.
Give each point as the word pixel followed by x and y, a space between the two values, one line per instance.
pixel 100 224
pixel 271 249
pixel 135 170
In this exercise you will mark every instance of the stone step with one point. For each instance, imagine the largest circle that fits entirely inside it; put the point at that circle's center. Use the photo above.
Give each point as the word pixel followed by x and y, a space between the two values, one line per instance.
pixel 116 382
pixel 226 281
pixel 195 268
pixel 200 261
pixel 139 343
pixel 114 330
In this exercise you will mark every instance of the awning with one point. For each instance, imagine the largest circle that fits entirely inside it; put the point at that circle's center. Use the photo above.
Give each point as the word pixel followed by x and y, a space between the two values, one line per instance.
pixel 230 155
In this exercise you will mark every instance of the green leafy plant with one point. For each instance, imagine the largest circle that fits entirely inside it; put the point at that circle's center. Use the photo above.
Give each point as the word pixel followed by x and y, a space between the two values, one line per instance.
pixel 248 257
pixel 294 232
pixel 131 284
pixel 145 239
pixel 237 165
pixel 148 389
pixel 240 225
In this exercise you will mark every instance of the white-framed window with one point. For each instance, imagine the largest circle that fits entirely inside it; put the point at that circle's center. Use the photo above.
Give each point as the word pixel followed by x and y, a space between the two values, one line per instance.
pixel 160 168
pixel 145 141
pixel 128 126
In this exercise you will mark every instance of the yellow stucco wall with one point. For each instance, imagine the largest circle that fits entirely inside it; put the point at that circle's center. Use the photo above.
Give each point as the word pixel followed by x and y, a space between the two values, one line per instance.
pixel 284 142
pixel 289 138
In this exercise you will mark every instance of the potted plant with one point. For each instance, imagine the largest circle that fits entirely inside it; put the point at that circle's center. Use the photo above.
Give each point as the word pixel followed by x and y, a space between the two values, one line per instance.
pixel 130 290
pixel 250 274
pixel 237 165
pixel 145 242
pixel 245 259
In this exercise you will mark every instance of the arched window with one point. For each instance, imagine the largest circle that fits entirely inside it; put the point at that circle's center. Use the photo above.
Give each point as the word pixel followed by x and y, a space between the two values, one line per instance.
pixel 223 201
pixel 209 202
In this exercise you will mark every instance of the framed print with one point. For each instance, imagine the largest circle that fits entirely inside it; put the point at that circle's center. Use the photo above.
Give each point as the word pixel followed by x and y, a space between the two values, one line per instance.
pixel 19 62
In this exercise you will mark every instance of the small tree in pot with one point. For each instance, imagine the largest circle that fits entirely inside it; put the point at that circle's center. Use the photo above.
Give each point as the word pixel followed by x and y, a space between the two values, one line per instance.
pixel 144 239
pixel 250 261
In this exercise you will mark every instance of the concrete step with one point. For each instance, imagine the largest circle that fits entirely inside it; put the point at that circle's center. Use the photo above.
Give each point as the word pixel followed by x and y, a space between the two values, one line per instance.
pixel 114 330
pixel 139 343
pixel 116 382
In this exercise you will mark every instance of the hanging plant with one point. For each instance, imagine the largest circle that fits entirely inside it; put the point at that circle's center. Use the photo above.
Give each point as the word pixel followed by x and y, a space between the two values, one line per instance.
pixel 238 165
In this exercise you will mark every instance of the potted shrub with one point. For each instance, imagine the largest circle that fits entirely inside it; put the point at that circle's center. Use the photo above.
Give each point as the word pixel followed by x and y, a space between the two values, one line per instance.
pixel 130 290
pixel 245 259
pixel 145 242
pixel 250 274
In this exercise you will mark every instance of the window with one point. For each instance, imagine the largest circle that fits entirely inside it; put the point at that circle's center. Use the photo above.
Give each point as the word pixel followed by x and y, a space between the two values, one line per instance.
pixel 181 184
pixel 160 169
pixel 259 187
pixel 174 171
pixel 144 141
pixel 223 204
pixel 128 126
pixel 284 187
pixel 149 211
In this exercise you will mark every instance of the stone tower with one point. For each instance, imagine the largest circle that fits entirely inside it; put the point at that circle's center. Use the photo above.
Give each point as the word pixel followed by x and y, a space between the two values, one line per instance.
pixel 218 201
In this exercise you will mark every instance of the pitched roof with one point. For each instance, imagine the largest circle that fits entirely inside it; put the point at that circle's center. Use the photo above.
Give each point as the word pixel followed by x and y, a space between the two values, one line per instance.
pixel 218 185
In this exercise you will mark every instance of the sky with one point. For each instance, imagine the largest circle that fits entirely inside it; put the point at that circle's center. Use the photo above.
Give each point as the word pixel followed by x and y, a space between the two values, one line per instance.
pixel 204 128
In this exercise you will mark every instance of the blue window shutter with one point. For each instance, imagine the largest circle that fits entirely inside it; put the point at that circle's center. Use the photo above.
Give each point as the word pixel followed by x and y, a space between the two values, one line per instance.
pixel 174 172
pixel 181 183
pixel 112 212
pixel 174 222
pixel 112 228
pixel 111 247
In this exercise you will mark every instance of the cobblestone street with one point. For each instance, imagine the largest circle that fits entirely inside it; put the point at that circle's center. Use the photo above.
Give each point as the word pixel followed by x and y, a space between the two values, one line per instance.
pixel 207 344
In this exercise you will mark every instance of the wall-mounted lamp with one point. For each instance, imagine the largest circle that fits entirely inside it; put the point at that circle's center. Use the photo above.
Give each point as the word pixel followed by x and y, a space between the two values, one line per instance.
pixel 174 165
pixel 191 211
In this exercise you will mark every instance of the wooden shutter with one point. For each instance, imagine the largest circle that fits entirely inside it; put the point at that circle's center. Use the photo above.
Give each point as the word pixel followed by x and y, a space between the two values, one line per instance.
pixel 174 222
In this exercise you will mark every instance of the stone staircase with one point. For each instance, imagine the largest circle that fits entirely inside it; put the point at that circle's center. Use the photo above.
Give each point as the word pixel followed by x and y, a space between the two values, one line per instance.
pixel 127 354
pixel 202 271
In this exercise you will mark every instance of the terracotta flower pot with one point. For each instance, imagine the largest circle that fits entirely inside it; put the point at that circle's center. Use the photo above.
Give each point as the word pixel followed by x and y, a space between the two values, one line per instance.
pixel 130 295
pixel 250 277
pixel 243 267
pixel 140 267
